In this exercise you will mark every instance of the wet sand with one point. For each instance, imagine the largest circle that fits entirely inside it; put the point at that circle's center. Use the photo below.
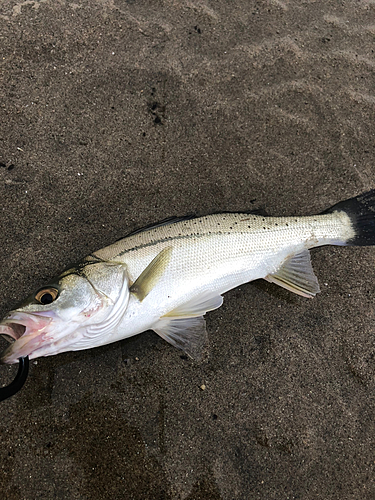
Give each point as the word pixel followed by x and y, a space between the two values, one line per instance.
pixel 116 114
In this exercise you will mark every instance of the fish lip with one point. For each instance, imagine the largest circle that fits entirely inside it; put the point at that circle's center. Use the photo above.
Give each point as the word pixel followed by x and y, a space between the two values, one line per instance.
pixel 25 331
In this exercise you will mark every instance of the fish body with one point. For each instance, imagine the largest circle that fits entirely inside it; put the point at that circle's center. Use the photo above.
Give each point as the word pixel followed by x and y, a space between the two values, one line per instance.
pixel 211 255
pixel 166 277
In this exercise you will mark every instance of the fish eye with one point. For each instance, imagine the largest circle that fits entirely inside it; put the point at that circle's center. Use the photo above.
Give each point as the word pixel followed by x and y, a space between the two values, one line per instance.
pixel 47 295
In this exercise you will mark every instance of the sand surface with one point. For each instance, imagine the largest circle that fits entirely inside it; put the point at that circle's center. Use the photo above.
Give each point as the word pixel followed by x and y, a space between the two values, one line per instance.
pixel 116 114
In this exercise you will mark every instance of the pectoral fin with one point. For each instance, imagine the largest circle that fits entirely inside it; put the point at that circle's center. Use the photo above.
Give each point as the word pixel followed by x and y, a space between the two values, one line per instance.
pixel 297 275
pixel 188 334
pixel 151 275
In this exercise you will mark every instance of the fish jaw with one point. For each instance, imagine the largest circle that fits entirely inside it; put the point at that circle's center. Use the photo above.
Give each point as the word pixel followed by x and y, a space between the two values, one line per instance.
pixel 29 331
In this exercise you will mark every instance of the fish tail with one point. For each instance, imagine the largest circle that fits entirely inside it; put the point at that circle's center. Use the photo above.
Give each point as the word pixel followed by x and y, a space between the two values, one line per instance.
pixel 361 211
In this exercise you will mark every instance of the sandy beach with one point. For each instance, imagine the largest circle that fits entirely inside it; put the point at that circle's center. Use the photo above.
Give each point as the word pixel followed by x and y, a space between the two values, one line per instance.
pixel 116 114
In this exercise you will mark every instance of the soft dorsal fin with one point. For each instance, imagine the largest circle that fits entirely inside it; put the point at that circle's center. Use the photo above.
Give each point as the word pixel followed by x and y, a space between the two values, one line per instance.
pixel 297 275
pixel 151 275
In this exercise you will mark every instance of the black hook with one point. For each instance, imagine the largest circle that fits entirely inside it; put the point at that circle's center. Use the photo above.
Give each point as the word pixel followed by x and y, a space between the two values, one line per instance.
pixel 17 384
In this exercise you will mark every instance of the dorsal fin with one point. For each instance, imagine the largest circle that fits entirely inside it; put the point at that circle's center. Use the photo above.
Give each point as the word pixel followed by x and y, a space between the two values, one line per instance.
pixel 164 222
pixel 175 219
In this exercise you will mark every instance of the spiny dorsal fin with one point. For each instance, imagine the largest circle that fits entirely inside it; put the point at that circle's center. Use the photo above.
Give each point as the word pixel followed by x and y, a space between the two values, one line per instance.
pixel 297 276
pixel 151 275
pixel 188 334
pixel 165 222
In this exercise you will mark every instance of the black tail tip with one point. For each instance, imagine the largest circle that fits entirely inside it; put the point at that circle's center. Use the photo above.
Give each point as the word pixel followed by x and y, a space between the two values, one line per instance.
pixel 361 210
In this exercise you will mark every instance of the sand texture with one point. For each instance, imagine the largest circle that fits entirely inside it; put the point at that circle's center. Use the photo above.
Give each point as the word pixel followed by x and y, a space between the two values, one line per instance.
pixel 116 114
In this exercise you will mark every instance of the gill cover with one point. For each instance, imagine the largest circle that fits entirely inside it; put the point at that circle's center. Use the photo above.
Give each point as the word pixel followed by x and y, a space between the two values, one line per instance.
pixel 112 286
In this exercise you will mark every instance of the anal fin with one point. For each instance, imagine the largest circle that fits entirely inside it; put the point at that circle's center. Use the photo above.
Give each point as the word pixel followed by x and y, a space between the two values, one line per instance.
pixel 297 276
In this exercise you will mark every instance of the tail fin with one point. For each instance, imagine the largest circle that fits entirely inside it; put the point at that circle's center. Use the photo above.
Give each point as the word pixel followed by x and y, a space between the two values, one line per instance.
pixel 361 211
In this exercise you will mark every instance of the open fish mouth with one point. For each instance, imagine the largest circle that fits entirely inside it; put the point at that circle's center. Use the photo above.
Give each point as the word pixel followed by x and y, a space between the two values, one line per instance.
pixel 25 332
pixel 12 331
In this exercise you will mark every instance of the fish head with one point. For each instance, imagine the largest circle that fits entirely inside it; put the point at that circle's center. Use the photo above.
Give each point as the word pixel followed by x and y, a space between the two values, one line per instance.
pixel 77 310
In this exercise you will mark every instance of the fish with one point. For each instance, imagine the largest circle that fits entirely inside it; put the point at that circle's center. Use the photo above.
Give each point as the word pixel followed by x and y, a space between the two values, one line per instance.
pixel 167 276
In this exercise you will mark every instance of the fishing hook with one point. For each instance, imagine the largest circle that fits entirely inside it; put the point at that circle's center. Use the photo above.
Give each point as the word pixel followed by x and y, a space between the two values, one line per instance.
pixel 17 384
